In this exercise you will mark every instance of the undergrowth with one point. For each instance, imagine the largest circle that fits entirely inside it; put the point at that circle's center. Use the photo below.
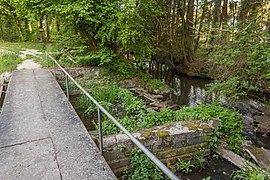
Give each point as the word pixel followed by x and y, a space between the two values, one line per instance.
pixel 8 61
pixel 133 114
pixel 251 172
pixel 143 168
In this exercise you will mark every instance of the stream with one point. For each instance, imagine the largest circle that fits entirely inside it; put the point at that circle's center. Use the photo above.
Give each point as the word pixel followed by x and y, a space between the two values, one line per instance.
pixel 191 91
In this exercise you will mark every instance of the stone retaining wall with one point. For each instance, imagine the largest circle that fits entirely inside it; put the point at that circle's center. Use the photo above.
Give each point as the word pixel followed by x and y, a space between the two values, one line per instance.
pixel 169 142
pixel 77 72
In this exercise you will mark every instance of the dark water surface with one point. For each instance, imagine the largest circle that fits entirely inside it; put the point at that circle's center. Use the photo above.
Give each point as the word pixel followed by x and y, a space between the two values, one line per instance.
pixel 88 121
pixel 2 99
pixel 217 169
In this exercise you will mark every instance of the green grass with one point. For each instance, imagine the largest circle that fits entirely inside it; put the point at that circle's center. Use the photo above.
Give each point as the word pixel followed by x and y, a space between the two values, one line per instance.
pixel 8 61
pixel 19 46
pixel 16 47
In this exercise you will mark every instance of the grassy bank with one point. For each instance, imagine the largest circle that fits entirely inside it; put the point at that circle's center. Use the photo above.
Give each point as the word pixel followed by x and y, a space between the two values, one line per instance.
pixel 8 61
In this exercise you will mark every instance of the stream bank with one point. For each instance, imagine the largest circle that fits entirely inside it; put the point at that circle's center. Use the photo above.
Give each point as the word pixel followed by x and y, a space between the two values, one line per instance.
pixel 152 97
pixel 194 94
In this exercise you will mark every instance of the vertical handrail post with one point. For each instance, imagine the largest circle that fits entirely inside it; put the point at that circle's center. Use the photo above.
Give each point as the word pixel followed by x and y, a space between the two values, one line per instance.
pixel 47 60
pixel 54 69
pixel 100 137
pixel 67 86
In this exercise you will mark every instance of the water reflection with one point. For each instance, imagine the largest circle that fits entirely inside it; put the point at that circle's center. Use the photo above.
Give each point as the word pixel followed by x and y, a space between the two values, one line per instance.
pixel 187 91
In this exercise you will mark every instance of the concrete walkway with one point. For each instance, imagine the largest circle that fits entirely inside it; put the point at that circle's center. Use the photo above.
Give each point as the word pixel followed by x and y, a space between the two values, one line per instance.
pixel 41 136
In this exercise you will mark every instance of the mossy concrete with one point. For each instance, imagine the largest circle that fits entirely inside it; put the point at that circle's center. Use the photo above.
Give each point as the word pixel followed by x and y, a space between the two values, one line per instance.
pixel 169 142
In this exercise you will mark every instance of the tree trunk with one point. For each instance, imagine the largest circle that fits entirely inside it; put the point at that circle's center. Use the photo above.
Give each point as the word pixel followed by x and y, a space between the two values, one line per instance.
pixel 208 24
pixel 224 21
pixel 201 24
pixel 189 43
pixel 41 30
pixel 216 22
pixel 19 26
pixel 57 24
pixel 225 10
pixel 47 26
pixel 1 28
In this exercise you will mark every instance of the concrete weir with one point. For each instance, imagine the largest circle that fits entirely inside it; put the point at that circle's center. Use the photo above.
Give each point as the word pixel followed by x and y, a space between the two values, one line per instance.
pixel 169 142
pixel 41 136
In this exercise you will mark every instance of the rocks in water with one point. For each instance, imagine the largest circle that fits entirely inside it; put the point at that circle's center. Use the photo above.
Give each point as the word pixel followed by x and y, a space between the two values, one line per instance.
pixel 256 115
pixel 248 107
pixel 248 123
pixel 235 159
pixel 260 155
pixel 153 100
pixel 263 124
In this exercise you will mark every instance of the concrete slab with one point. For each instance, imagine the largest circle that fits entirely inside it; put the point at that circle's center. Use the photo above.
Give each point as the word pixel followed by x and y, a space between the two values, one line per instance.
pixel 22 118
pixel 29 160
pixel 36 108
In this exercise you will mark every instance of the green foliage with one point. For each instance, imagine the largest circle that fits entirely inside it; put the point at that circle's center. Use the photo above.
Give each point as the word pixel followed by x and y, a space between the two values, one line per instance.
pixel 136 117
pixel 130 103
pixel 183 166
pixel 121 68
pixel 200 158
pixel 104 56
pixel 207 178
pixel 8 61
pixel 232 88
pixel 157 84
pixel 155 118
pixel 121 147
pixel 251 172
pixel 143 168
pixel 243 63
pixel 120 27
pixel 230 123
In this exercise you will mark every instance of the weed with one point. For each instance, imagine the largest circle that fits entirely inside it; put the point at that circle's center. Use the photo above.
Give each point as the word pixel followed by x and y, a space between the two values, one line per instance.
pixel 200 157
pixel 207 178
pixel 122 147
pixel 251 172
pixel 184 166
pixel 142 167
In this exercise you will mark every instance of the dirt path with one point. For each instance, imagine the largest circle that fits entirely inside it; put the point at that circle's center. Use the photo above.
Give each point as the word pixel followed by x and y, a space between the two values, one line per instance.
pixel 28 63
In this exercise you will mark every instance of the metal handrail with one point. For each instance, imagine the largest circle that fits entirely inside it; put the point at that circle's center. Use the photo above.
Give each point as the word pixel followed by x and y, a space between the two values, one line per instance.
pixel 166 170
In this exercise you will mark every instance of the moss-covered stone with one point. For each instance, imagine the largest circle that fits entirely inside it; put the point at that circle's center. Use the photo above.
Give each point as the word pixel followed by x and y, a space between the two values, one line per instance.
pixel 163 133
pixel 146 134
pixel 196 126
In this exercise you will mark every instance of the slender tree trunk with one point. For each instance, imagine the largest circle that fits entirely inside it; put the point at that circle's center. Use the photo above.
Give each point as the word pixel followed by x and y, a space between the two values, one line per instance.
pixel 189 43
pixel 57 24
pixel 201 24
pixel 1 28
pixel 225 10
pixel 169 24
pixel 41 30
pixel 47 26
pixel 19 26
pixel 224 21
pixel 196 14
pixel 208 24
pixel 216 22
